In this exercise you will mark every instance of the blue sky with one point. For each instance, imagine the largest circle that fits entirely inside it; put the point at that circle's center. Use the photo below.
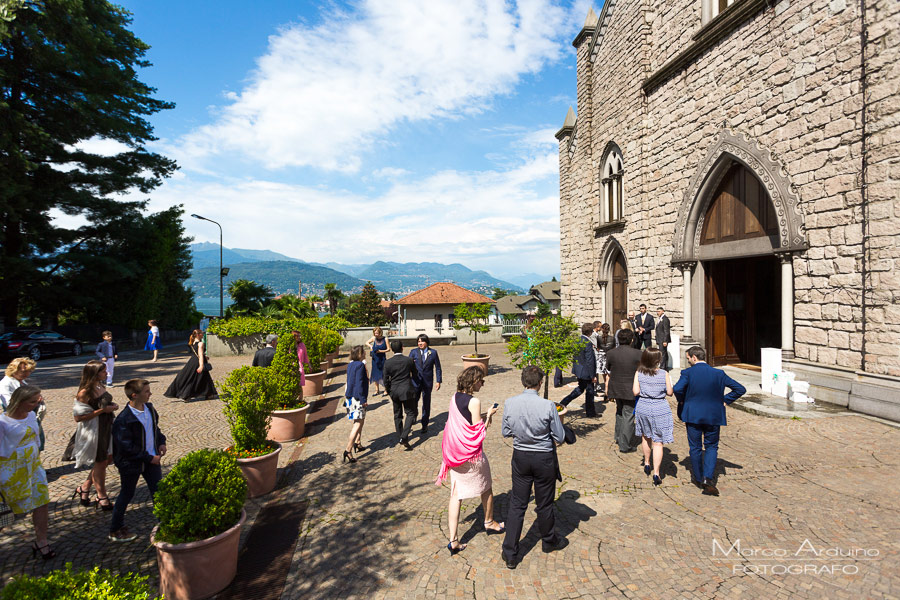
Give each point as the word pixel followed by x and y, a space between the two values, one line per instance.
pixel 359 131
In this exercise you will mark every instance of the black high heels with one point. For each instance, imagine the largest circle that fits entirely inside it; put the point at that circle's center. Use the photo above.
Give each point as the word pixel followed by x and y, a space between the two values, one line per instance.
pixel 459 547
pixel 349 457
pixel 359 447
pixel 35 550
pixel 647 469
pixel 85 496
pixel 656 480
pixel 104 503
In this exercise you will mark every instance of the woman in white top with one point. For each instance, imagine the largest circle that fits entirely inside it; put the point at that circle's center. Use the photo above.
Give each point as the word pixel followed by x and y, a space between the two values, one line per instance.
pixel 153 342
pixel 17 372
pixel 23 480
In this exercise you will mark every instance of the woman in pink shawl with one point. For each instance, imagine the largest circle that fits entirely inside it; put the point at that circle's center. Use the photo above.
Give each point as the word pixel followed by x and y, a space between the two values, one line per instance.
pixel 302 357
pixel 470 472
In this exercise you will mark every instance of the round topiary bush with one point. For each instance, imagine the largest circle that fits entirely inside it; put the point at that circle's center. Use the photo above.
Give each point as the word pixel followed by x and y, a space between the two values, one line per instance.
pixel 201 497
pixel 95 584
pixel 284 374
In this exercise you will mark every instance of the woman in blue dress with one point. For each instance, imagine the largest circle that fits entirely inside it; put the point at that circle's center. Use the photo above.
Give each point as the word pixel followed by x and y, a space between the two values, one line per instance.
pixel 378 348
pixel 153 342
pixel 652 415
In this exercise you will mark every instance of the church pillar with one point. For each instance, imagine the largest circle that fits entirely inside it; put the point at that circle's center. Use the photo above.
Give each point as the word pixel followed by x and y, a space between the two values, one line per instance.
pixel 687 336
pixel 603 302
pixel 787 305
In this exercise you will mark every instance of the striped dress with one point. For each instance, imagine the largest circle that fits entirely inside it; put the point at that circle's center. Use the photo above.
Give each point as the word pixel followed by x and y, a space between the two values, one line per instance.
pixel 652 415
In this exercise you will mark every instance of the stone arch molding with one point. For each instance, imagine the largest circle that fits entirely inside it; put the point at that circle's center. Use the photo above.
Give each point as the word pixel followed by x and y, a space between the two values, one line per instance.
pixel 726 148
pixel 603 268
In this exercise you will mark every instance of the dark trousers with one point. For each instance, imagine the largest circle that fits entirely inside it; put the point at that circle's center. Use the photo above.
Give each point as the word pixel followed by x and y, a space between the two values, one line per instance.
pixel 703 464
pixel 152 475
pixel 538 469
pixel 425 393
pixel 664 361
pixel 401 405
pixel 624 433
pixel 646 343
pixel 586 386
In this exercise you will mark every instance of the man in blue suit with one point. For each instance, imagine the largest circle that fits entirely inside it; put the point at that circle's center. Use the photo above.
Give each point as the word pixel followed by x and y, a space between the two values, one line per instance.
pixel 429 366
pixel 701 397
pixel 584 367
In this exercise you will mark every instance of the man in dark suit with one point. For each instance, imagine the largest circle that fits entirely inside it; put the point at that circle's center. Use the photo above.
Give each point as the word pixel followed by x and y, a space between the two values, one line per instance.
pixel 700 392
pixel 584 366
pixel 663 337
pixel 264 356
pixel 636 324
pixel 645 327
pixel 401 382
pixel 428 365
pixel 622 362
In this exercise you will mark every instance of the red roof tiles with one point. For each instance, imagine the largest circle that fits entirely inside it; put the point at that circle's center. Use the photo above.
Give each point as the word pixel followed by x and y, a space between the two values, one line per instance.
pixel 443 292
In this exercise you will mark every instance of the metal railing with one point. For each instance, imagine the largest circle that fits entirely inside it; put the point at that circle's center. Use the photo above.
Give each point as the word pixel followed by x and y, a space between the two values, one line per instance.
pixel 513 326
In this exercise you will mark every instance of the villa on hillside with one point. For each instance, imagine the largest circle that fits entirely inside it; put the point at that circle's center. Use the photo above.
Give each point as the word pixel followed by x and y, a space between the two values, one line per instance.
pixel 430 310
pixel 527 304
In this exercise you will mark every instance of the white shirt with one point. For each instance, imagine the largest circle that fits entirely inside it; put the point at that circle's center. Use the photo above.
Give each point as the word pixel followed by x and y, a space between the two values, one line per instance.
pixel 7 386
pixel 154 330
pixel 146 420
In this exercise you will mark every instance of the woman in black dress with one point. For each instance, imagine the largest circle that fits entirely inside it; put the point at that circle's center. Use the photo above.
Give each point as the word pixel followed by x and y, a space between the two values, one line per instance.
pixel 194 380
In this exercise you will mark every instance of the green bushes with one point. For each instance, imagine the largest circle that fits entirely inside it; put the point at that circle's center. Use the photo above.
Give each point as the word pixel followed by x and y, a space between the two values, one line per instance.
pixel 285 375
pixel 249 395
pixel 95 584
pixel 239 326
pixel 201 497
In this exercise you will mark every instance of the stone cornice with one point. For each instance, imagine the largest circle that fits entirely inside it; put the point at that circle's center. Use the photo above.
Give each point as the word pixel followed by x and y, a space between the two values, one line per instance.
pixel 585 32
pixel 708 35
pixel 618 225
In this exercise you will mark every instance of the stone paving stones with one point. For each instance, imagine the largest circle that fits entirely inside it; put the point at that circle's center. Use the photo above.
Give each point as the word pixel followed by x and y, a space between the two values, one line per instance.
pixel 378 528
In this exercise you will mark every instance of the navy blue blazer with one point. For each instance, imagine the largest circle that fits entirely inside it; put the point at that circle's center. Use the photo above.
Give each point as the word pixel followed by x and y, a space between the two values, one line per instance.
pixel 430 369
pixel 646 321
pixel 702 390
pixel 357 381
pixel 585 364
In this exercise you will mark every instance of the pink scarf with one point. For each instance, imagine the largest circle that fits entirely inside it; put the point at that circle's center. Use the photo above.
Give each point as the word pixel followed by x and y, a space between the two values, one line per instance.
pixel 462 441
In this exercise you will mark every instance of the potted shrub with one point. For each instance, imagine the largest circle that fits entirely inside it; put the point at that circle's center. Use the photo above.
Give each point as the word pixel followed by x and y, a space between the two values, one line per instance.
pixel 289 418
pixel 199 505
pixel 96 583
pixel 249 397
pixel 474 317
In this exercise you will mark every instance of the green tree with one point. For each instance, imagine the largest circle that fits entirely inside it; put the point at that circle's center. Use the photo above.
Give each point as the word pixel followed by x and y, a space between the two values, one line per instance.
pixel 247 297
pixel 68 74
pixel 332 295
pixel 367 309
pixel 499 293
pixel 547 343
pixel 543 311
pixel 474 317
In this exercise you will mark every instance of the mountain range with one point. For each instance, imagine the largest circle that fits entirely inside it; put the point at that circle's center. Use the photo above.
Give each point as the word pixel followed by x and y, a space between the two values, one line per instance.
pixel 283 273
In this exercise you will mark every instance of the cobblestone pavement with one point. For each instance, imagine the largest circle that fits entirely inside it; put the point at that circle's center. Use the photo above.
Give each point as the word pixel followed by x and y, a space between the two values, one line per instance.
pixel 378 528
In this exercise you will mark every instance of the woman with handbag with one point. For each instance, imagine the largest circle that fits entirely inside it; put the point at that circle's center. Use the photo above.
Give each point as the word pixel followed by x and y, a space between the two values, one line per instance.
pixel 194 380
pixel 378 348
pixel 23 481
pixel 93 411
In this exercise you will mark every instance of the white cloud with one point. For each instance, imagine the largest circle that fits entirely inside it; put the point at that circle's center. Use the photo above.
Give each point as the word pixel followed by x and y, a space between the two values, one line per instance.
pixel 324 95
pixel 497 220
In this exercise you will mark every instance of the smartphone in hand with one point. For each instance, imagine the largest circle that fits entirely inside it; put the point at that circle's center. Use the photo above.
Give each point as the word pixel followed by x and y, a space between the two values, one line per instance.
pixel 496 404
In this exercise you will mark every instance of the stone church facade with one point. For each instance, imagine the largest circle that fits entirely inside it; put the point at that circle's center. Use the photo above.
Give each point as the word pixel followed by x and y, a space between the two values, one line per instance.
pixel 738 162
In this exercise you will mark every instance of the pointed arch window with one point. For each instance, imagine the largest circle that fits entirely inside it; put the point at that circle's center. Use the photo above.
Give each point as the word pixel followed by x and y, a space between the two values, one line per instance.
pixel 612 175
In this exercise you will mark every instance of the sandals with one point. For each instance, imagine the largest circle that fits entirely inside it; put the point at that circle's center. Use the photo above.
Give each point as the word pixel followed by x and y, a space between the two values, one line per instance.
pixel 35 550
pixel 455 549
pixel 104 503
pixel 501 527
pixel 85 496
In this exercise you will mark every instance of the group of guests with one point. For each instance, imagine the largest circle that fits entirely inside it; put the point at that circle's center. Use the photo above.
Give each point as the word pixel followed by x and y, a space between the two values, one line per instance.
pixel 407 380
pixel 130 440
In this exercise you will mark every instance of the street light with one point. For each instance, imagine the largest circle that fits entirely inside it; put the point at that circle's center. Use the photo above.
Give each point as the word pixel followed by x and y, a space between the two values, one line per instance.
pixel 222 271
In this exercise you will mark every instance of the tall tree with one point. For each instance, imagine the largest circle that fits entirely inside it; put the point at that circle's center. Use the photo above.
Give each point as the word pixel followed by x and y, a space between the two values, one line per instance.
pixel 68 75
pixel 248 297
pixel 367 310
pixel 547 343
pixel 332 295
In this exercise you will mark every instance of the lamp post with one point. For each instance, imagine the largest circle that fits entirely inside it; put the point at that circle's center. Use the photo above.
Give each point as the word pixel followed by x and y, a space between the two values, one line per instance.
pixel 222 270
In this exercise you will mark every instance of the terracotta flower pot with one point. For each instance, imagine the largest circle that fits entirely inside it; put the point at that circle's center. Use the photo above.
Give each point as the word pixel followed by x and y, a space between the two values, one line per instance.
pixel 323 366
pixel 315 382
pixel 288 425
pixel 200 569
pixel 481 362
pixel 334 355
pixel 260 472
pixel 329 360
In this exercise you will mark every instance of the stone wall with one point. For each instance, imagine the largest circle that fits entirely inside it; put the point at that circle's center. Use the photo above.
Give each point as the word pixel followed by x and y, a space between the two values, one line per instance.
pixel 789 81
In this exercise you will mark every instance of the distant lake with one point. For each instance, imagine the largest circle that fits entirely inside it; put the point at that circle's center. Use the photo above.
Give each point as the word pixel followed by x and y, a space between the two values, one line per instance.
pixel 210 306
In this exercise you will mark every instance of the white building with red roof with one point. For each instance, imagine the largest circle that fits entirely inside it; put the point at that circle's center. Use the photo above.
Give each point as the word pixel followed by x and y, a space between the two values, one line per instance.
pixel 430 310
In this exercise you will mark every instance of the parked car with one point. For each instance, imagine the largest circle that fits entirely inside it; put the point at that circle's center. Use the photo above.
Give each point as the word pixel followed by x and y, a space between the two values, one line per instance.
pixel 37 343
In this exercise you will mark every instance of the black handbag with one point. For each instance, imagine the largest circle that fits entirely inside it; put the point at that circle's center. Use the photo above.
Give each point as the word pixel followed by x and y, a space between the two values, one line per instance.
pixel 570 437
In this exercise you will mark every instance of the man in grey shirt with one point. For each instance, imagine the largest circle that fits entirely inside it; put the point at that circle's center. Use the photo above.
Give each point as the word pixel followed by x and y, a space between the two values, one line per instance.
pixel 534 425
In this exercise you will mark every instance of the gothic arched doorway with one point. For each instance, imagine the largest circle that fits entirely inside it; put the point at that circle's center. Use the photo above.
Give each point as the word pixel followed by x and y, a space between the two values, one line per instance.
pixel 742 274
pixel 619 290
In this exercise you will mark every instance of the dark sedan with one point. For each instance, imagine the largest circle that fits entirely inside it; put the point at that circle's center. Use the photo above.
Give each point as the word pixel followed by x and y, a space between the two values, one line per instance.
pixel 37 343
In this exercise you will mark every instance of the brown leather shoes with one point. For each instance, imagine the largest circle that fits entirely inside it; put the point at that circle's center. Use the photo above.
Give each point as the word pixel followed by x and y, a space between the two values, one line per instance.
pixel 709 488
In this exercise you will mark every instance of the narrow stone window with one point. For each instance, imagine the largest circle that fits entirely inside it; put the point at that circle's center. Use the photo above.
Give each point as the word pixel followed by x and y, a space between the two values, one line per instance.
pixel 712 9
pixel 611 205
